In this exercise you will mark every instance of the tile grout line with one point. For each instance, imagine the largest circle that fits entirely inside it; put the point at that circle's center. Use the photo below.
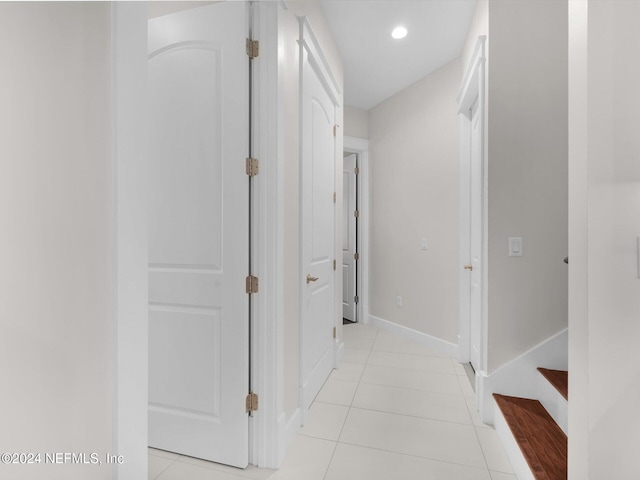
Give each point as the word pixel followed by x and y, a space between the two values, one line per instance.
pixel 166 468
pixel 472 424
pixel 484 455
pixel 348 410
pixel 208 468
pixel 416 417
pixel 351 403
pixel 432 459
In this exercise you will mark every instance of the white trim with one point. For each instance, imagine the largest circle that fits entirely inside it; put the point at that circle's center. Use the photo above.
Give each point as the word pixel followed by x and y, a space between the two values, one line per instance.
pixel 361 147
pixel 473 87
pixel 425 339
pixel 519 377
pixel 318 60
pixel 267 353
pixel 471 79
pixel 129 245
pixel 288 431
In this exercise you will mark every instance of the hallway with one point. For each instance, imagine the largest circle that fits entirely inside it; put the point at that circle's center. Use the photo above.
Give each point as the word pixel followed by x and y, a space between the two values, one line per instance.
pixel 394 409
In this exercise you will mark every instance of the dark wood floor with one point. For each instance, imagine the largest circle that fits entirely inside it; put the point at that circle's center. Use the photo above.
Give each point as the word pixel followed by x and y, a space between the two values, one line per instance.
pixel 559 379
pixel 543 443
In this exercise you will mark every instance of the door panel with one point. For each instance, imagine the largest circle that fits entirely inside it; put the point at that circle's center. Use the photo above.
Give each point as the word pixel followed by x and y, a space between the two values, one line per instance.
pixel 198 309
pixel 349 238
pixel 318 217
pixel 476 240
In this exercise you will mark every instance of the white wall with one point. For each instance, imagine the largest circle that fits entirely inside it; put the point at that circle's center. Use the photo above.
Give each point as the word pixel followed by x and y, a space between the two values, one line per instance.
pixel 290 96
pixel 356 122
pixel 605 223
pixel 160 8
pixel 479 26
pixel 414 168
pixel 527 175
pixel 55 357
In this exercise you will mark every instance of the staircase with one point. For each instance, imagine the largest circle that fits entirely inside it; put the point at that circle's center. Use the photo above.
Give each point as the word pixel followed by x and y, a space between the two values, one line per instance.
pixel 534 432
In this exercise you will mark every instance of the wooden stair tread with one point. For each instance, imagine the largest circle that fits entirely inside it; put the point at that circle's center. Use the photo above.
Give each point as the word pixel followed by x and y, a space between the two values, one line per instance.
pixel 559 379
pixel 542 442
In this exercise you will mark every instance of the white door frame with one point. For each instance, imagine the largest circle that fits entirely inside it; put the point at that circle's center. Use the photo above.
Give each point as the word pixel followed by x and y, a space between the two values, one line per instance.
pixel 129 250
pixel 473 87
pixel 360 147
pixel 266 428
pixel 317 60
pixel 129 245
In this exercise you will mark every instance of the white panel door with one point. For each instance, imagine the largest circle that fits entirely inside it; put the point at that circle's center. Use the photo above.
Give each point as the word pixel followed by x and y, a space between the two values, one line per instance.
pixel 317 224
pixel 198 312
pixel 349 238
pixel 476 240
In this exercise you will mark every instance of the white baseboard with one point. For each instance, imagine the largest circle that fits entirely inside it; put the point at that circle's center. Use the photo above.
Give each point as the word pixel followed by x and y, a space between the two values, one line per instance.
pixel 427 340
pixel 519 377
pixel 511 448
pixel 288 430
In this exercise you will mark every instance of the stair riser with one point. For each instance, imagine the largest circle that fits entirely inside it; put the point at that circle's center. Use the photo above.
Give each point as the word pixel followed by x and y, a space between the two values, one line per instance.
pixel 554 403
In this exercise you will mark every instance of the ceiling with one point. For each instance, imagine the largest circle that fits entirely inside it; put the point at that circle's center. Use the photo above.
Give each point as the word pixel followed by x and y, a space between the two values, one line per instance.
pixel 377 66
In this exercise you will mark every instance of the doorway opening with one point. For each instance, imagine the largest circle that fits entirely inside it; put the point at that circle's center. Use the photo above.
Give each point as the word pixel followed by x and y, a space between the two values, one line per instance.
pixel 356 223
pixel 350 234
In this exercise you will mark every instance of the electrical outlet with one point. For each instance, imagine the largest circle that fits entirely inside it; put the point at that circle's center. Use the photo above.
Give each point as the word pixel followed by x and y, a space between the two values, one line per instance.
pixel 398 301
pixel 424 244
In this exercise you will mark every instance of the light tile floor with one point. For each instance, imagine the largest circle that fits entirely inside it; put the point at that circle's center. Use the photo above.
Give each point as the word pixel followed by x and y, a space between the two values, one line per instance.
pixel 393 410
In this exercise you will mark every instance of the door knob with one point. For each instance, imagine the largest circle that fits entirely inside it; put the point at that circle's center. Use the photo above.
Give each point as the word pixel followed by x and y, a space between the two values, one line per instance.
pixel 311 279
pixel 468 267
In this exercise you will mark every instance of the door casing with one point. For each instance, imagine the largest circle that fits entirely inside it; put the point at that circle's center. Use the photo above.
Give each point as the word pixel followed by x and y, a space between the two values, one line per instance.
pixel 472 90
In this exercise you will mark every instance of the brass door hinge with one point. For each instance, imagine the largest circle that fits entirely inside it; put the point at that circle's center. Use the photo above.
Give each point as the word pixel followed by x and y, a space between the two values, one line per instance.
pixel 335 332
pixel 356 170
pixel 334 197
pixel 335 130
pixel 251 402
pixel 356 213
pixel 252 284
pixel 253 48
pixel 252 167
pixel 356 299
pixel 334 264
pixel 356 256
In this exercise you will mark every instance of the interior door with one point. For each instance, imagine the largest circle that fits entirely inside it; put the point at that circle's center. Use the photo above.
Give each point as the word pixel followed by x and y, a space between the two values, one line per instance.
pixel 349 238
pixel 476 240
pixel 317 229
pixel 198 307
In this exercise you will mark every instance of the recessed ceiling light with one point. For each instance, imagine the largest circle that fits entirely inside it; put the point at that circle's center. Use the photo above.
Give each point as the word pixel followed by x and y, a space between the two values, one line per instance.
pixel 399 32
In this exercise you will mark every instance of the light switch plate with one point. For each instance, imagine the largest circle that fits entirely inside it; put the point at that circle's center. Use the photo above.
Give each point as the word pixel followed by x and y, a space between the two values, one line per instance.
pixel 515 246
